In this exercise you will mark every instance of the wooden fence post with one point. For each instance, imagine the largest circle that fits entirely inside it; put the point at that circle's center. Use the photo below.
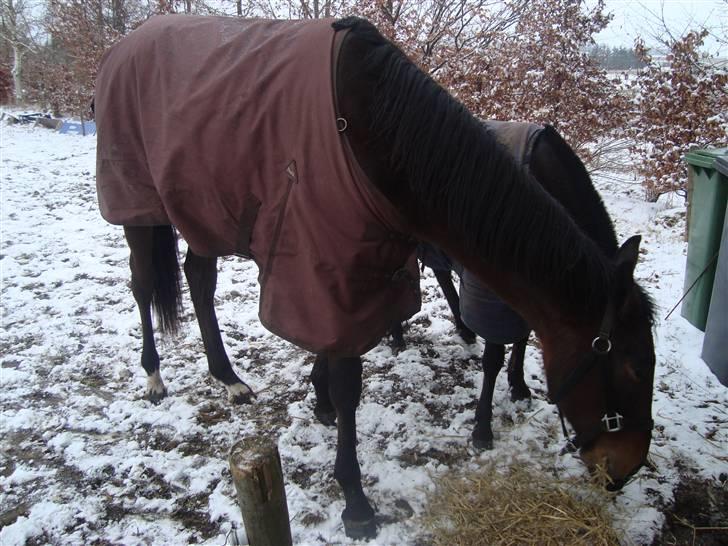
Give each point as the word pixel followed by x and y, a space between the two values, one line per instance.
pixel 258 477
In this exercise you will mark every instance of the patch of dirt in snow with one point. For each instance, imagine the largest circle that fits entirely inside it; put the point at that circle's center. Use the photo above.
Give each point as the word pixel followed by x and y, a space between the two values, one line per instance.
pixel 698 513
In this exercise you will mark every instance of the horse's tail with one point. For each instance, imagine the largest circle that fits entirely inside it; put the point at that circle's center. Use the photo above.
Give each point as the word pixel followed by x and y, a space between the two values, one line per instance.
pixel 167 294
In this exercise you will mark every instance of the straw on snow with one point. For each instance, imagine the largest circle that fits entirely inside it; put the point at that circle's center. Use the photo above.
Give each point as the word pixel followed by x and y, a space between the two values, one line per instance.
pixel 518 506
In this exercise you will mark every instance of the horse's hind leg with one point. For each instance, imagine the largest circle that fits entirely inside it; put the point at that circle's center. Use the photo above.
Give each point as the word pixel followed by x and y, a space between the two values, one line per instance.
pixel 492 363
pixel 141 262
pixel 324 409
pixel 201 276
pixel 345 392
pixel 519 389
pixel 444 278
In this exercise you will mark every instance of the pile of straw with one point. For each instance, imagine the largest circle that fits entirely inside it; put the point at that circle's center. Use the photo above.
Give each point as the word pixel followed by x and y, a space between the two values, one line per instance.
pixel 517 506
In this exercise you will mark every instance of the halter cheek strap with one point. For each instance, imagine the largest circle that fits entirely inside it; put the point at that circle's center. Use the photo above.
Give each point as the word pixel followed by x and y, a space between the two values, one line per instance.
pixel 612 420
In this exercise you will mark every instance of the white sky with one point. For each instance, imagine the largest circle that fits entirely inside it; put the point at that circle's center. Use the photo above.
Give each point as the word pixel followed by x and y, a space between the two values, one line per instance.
pixel 634 18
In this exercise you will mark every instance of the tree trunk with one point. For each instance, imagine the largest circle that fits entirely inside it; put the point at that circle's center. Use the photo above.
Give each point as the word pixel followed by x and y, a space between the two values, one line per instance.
pixel 118 16
pixel 17 72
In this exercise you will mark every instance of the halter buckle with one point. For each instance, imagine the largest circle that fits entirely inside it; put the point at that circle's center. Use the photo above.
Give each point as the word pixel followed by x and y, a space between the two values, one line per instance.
pixel 601 344
pixel 612 423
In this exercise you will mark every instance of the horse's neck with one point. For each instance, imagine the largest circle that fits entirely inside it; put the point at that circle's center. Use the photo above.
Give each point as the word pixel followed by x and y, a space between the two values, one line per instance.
pixel 542 308
pixel 538 302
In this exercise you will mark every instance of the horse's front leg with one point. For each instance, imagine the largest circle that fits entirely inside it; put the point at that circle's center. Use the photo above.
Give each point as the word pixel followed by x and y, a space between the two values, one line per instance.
pixel 324 409
pixel 519 389
pixel 201 276
pixel 492 363
pixel 345 392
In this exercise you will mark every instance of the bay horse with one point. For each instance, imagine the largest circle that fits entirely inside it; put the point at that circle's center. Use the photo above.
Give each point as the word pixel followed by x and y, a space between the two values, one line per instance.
pixel 438 172
pixel 555 166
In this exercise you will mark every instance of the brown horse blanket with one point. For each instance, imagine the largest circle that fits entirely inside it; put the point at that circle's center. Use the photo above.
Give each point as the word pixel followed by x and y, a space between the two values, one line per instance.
pixel 227 129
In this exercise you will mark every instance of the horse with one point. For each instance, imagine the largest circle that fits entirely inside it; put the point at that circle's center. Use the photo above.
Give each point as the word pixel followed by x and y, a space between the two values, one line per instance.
pixel 427 170
pixel 555 166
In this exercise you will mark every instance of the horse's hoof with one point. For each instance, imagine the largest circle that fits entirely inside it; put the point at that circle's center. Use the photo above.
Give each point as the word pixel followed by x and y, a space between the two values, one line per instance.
pixel 240 399
pixel 240 393
pixel 155 397
pixel 520 393
pixel 360 529
pixel 155 388
pixel 326 418
pixel 482 443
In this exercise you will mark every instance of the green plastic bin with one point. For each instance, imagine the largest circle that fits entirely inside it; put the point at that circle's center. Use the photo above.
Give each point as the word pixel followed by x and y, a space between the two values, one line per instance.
pixel 715 342
pixel 708 197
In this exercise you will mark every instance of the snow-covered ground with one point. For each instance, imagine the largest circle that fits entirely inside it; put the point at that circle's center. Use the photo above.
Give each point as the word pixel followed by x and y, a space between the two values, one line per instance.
pixel 85 459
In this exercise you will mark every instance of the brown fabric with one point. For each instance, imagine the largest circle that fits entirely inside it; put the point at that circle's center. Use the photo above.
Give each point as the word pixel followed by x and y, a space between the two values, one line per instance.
pixel 226 128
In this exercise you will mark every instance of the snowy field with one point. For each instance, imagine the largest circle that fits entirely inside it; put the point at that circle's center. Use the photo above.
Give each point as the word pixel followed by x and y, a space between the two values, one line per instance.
pixel 84 459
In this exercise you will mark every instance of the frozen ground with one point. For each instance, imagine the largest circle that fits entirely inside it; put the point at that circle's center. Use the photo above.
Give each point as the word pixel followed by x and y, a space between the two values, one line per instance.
pixel 86 460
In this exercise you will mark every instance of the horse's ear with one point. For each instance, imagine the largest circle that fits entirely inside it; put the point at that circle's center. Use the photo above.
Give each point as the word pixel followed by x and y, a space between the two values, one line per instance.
pixel 626 261
pixel 628 253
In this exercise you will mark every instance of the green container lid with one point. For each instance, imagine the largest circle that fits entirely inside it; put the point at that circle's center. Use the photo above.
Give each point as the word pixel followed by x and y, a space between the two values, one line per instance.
pixel 705 158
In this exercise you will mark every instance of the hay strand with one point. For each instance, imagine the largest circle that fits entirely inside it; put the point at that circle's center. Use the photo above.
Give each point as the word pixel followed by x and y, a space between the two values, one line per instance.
pixel 516 505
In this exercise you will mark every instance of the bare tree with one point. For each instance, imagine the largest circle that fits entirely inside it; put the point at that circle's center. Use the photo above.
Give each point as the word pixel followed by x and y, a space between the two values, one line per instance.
pixel 17 29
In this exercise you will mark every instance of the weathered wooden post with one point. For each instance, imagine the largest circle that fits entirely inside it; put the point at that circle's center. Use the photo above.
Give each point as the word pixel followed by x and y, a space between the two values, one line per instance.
pixel 258 477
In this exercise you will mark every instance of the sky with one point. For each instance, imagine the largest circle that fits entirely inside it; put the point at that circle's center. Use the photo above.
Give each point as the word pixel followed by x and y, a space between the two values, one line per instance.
pixel 634 18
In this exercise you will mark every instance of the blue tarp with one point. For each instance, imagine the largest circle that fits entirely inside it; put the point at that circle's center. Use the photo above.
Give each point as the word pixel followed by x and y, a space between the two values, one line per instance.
pixel 75 128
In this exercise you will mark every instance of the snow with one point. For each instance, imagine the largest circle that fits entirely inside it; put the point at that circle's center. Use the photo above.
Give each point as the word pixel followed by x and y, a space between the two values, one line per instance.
pixel 85 458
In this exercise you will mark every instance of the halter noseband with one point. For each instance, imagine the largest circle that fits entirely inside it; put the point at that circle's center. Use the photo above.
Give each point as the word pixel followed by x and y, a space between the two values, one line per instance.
pixel 612 420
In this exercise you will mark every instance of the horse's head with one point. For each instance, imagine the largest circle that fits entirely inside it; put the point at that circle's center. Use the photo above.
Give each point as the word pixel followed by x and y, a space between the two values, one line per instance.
pixel 602 379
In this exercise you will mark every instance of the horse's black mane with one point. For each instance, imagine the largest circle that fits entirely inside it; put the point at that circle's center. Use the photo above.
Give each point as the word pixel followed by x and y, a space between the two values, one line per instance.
pixel 578 195
pixel 586 207
pixel 491 203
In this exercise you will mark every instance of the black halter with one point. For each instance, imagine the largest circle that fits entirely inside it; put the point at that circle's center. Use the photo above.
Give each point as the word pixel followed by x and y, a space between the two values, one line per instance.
pixel 612 420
